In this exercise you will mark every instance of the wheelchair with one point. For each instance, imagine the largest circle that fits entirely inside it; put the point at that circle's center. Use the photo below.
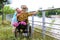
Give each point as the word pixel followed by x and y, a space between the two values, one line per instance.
pixel 23 29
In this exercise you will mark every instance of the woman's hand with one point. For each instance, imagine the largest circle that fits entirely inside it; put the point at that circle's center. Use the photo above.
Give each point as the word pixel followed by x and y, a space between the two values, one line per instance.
pixel 34 12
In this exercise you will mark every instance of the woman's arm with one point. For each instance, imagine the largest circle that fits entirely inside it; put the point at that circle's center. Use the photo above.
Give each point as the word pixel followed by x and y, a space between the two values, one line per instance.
pixel 18 15
pixel 32 13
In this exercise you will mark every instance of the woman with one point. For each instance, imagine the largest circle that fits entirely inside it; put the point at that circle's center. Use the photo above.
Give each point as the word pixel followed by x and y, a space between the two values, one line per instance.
pixel 22 17
pixel 14 19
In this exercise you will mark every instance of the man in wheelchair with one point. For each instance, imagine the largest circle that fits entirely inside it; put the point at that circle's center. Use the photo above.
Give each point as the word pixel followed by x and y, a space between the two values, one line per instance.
pixel 22 18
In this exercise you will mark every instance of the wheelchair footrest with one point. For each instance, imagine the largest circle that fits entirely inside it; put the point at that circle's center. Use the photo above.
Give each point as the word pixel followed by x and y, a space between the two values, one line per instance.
pixel 25 31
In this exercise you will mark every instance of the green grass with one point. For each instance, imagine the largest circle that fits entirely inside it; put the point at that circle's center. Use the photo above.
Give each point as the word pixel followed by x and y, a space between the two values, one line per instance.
pixel 39 32
pixel 6 33
pixel 0 18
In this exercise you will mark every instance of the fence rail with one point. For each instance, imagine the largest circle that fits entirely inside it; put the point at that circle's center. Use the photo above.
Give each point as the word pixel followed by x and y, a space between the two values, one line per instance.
pixel 45 22
pixel 46 26
pixel 50 33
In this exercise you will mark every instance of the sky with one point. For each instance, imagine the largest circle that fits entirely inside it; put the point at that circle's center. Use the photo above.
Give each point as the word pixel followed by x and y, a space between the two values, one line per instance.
pixel 34 5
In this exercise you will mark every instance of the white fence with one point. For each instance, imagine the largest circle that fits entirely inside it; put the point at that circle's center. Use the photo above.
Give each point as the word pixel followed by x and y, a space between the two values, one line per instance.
pixel 50 30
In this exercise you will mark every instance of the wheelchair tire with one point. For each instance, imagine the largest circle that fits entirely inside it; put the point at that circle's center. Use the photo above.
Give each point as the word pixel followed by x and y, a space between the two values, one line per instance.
pixel 16 31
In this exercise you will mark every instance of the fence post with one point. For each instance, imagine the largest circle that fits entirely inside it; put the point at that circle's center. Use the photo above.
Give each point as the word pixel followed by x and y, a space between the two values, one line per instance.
pixel 32 28
pixel 43 24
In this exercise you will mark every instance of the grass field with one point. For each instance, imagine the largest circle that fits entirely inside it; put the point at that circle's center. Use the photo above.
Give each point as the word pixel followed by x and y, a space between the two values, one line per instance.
pixel 6 33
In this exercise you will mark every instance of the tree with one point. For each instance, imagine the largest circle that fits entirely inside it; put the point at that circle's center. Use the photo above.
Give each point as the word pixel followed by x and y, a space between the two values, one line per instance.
pixel 50 12
pixel 39 14
pixel 8 10
pixel 58 12
pixel 2 3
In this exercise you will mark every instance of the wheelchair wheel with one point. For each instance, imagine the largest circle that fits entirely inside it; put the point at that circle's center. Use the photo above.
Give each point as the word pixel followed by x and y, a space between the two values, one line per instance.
pixel 30 31
pixel 16 33
pixel 29 34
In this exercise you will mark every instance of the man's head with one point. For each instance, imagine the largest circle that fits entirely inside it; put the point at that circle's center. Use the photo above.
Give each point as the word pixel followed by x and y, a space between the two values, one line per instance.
pixel 24 7
pixel 18 10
